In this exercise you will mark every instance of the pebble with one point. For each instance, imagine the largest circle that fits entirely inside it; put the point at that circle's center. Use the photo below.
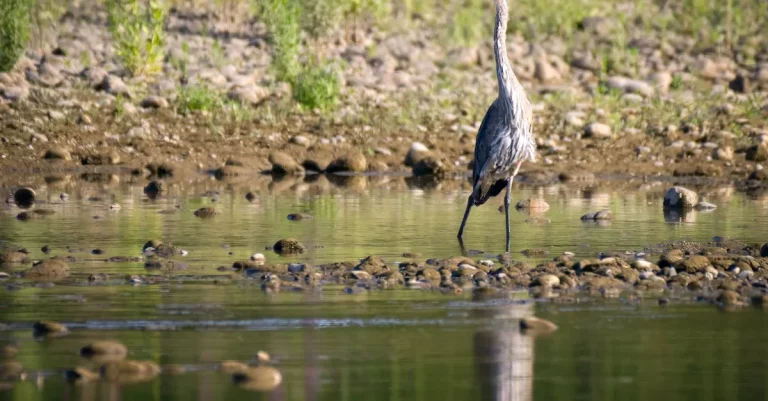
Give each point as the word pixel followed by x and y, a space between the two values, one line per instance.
pixel 154 102
pixel 598 130
pixel 258 258
pixel 300 140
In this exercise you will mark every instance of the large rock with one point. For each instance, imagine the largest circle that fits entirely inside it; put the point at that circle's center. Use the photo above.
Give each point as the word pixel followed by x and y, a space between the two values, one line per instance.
pixel 372 265
pixel 598 130
pixel 680 198
pixel 351 162
pixel 416 152
pixel 114 85
pixel 284 164
pixel 429 165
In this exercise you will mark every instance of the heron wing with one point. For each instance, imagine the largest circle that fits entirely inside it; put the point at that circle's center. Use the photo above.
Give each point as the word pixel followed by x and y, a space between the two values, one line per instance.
pixel 489 150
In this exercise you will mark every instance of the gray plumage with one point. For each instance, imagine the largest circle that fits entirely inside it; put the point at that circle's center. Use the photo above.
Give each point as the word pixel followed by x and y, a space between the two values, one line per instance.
pixel 505 139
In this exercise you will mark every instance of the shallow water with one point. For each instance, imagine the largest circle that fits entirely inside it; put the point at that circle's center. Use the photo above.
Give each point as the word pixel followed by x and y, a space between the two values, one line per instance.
pixel 401 344
pixel 349 225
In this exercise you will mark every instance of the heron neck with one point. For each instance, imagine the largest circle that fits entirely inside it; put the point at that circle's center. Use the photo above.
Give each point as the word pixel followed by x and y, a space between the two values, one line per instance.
pixel 504 72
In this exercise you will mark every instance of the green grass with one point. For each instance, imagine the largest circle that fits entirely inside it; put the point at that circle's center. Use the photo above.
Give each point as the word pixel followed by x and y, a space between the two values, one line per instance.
pixel 282 19
pixel 469 26
pixel 202 99
pixel 314 85
pixel 196 98
pixel 14 31
pixel 317 87
pixel 137 33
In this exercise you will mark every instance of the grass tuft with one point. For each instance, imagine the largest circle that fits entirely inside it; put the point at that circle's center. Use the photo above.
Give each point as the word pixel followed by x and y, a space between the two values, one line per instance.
pixel 14 31
pixel 137 31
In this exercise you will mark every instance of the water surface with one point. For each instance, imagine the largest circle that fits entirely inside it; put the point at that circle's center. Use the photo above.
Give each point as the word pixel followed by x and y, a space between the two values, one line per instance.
pixel 388 345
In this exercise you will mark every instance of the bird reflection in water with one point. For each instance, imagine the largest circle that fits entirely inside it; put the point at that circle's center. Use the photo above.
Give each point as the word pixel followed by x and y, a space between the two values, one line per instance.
pixel 503 355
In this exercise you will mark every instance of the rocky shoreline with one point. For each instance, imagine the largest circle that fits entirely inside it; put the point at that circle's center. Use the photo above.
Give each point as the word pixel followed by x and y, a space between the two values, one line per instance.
pixel 680 112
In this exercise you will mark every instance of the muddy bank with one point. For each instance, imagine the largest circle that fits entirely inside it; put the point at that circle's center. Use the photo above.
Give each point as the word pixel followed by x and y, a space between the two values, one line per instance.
pixel 398 113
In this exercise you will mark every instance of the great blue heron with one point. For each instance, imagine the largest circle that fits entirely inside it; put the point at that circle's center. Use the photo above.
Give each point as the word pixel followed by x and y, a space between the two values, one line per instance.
pixel 504 140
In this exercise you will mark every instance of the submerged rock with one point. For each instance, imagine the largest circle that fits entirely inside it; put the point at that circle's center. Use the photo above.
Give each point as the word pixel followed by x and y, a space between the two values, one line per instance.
pixel 50 269
pixel 532 204
pixel 680 198
pixel 14 256
pixel 206 212
pixel 288 246
pixel 601 215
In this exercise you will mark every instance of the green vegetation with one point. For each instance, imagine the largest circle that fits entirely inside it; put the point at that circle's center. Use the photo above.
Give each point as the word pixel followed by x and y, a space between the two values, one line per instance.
pixel 195 98
pixel 282 19
pixel 137 31
pixel 317 87
pixel 14 31
pixel 469 26
pixel 314 85
pixel 202 99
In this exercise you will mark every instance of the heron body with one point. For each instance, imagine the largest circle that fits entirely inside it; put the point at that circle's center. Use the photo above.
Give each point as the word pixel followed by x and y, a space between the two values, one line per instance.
pixel 505 139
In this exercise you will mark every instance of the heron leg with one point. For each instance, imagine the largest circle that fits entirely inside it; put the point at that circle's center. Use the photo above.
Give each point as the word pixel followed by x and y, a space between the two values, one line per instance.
pixel 507 198
pixel 464 220
pixel 506 208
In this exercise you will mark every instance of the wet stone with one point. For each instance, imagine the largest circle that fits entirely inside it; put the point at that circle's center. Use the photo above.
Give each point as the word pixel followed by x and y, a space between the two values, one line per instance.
pixel 206 212
pixel 24 197
pixel 288 246
pixel 533 204
pixel 429 166
pixel 353 162
pixel 48 328
pixel 283 164
pixel 50 269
